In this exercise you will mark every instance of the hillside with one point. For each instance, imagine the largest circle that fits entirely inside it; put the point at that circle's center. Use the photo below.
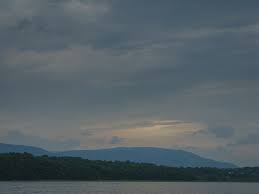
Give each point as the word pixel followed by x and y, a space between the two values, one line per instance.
pixel 158 156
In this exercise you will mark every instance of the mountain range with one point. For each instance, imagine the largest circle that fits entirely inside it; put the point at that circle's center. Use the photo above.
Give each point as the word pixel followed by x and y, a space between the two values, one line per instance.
pixel 158 156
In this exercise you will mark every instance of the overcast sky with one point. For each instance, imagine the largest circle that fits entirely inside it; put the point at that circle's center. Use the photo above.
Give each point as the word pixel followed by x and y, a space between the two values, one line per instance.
pixel 78 74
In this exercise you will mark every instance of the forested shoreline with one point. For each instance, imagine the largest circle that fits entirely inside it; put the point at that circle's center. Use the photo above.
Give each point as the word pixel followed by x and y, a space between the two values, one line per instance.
pixel 17 166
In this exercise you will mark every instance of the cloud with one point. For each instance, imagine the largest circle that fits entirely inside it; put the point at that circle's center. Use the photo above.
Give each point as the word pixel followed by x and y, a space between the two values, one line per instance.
pixel 156 132
pixel 141 124
pixel 116 140
pixel 18 137
pixel 86 10
pixel 220 132
pixel 250 139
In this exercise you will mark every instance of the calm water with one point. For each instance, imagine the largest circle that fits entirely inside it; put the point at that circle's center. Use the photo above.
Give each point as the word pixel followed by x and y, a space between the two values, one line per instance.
pixel 127 188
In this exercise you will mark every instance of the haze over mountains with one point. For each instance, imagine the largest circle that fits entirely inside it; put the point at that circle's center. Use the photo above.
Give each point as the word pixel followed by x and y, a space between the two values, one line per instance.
pixel 159 156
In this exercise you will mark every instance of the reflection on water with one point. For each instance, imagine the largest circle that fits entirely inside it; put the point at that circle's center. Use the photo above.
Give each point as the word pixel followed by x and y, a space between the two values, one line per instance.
pixel 127 188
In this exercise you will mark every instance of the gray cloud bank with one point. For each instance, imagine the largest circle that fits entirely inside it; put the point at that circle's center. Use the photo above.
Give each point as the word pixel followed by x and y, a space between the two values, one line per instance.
pixel 250 139
pixel 221 132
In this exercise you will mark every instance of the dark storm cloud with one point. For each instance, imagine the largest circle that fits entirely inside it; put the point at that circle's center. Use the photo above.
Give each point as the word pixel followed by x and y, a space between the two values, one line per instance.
pixel 114 24
pixel 135 49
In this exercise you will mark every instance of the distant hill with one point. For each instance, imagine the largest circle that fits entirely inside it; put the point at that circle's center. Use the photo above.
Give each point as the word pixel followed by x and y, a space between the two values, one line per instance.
pixel 158 156
pixel 5 148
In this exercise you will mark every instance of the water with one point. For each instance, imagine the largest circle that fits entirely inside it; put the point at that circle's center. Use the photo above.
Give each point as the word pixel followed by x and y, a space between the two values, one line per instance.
pixel 127 188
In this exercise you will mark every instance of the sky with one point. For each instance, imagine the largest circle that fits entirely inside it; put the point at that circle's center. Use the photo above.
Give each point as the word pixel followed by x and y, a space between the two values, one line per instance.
pixel 88 74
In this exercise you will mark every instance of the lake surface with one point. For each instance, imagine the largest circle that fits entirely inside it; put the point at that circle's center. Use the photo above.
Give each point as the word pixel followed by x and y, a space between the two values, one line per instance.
pixel 127 188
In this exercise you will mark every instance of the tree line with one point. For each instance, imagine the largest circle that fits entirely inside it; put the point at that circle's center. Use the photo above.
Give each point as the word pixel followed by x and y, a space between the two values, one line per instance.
pixel 17 166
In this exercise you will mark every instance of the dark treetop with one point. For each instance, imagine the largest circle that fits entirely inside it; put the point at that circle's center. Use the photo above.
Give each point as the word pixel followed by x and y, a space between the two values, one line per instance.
pixel 24 166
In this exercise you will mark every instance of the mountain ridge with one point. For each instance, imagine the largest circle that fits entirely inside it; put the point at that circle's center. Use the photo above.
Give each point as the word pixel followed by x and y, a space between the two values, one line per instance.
pixel 153 155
